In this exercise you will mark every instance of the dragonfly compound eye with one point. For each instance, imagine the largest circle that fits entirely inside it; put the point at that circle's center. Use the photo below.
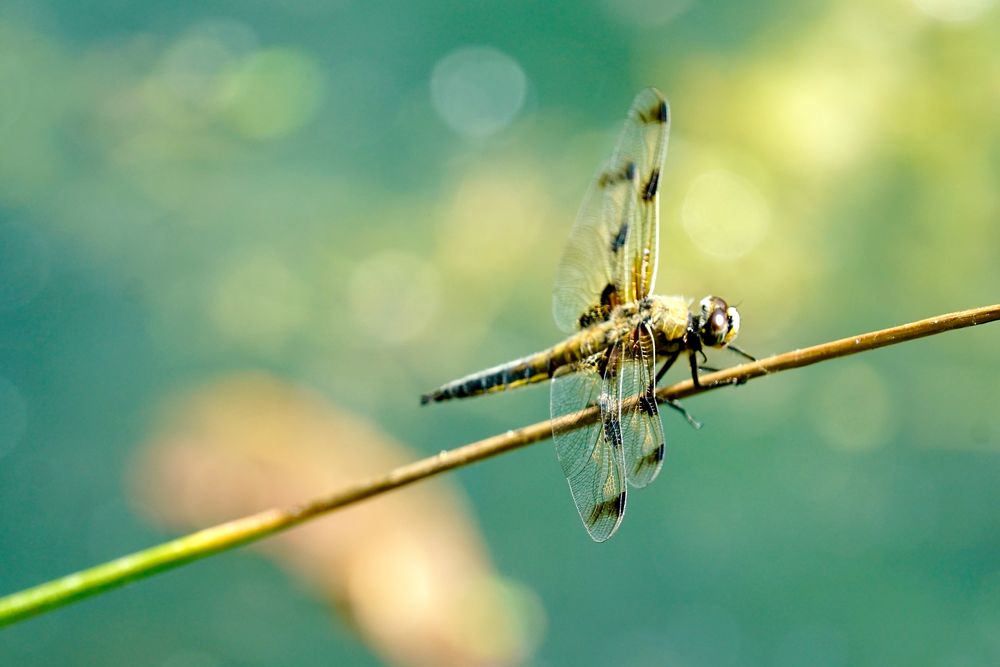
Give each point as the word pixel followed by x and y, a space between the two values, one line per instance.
pixel 718 326
pixel 715 323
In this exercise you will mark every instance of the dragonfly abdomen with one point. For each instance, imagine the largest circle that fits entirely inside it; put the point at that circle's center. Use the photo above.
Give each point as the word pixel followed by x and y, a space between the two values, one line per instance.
pixel 527 370
pixel 533 368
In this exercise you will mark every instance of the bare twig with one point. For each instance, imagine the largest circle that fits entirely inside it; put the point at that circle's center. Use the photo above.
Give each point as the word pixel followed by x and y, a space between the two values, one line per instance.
pixel 226 536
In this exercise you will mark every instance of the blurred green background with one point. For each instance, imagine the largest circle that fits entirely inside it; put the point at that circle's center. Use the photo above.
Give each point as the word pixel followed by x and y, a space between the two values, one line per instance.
pixel 370 199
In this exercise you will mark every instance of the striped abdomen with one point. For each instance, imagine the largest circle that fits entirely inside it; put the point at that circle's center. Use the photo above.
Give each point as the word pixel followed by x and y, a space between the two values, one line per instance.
pixel 534 368
pixel 527 370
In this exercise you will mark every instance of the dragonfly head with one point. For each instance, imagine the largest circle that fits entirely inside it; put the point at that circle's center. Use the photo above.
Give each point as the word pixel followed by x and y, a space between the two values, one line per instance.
pixel 718 322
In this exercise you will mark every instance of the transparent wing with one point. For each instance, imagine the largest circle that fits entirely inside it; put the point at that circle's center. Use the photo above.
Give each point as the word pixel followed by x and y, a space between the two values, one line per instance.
pixel 642 431
pixel 610 257
pixel 589 281
pixel 644 142
pixel 591 455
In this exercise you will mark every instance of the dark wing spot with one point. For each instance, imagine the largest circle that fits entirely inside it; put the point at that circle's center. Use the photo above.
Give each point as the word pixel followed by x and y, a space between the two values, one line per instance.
pixel 609 297
pixel 657 114
pixel 613 429
pixel 618 242
pixel 661 112
pixel 613 508
pixel 628 171
pixel 647 403
pixel 652 185
pixel 612 423
pixel 609 178
pixel 600 312
pixel 596 513
pixel 652 459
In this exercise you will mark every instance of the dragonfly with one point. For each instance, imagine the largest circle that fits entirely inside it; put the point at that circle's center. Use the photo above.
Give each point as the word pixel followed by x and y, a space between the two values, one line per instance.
pixel 603 299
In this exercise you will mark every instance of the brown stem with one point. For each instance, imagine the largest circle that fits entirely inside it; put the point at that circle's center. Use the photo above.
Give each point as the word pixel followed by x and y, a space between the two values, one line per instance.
pixel 225 536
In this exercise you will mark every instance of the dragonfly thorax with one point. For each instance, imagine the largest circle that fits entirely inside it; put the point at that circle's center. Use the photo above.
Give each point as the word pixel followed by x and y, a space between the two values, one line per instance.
pixel 714 324
pixel 667 318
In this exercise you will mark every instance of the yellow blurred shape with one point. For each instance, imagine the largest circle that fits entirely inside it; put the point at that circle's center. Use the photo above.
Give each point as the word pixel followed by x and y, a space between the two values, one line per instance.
pixel 409 568
pixel 819 103
pixel 824 104
pixel 196 65
pixel 394 295
pixel 954 11
pixel 487 628
pixel 272 93
pixel 258 300
pixel 818 116
pixel 724 214
pixel 493 221
pixel 855 410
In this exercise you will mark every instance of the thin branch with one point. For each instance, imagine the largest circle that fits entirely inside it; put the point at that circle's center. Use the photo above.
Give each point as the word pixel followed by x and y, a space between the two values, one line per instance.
pixel 112 574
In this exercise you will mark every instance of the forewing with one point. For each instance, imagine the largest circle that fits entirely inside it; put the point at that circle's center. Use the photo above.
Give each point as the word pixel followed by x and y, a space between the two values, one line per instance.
pixel 591 455
pixel 589 281
pixel 610 257
pixel 644 143
pixel 642 431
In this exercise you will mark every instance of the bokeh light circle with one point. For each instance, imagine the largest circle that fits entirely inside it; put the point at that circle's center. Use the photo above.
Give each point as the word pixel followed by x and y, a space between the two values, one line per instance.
pixel 258 299
pixel 195 65
pixel 478 90
pixel 394 295
pixel 272 93
pixel 954 11
pixel 724 214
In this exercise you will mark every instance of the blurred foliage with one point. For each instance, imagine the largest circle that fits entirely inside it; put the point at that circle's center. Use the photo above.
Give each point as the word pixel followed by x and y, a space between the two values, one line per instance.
pixel 369 199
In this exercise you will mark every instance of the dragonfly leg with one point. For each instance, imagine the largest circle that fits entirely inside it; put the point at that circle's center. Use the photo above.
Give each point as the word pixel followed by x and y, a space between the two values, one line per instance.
pixel 671 402
pixel 746 355
pixel 693 362
pixel 695 424
pixel 666 367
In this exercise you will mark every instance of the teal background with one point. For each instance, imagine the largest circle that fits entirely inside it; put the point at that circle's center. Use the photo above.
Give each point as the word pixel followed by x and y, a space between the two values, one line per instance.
pixel 189 189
